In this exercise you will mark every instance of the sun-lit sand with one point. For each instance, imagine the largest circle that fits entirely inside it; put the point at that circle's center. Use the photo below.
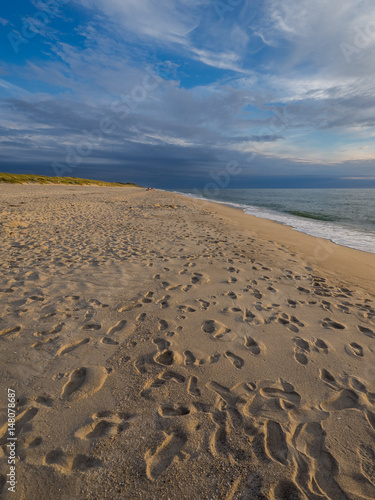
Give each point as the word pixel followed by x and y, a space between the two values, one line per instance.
pixel 162 347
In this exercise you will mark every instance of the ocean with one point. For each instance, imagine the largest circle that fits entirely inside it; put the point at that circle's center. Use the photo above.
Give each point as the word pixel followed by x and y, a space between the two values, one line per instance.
pixel 344 216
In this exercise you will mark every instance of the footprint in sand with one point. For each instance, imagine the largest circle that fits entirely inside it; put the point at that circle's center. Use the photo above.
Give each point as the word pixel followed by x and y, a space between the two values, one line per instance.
pixel 64 463
pixel 300 357
pixel 366 331
pixel 161 344
pixel 108 341
pixel 331 324
pixel 288 395
pixel 35 442
pixel 344 399
pixel 199 279
pixel 321 345
pixel 133 305
pixel 224 393
pixel 82 463
pixel 104 423
pixel 290 322
pixel 219 441
pixel 357 385
pixel 10 331
pixel 166 358
pixel 355 349
pixel 164 302
pixel 22 420
pixel 203 304
pixel 236 361
pixel 209 326
pixel 189 358
pixel 159 381
pixel 249 317
pixel 57 328
pixel 186 309
pixel 84 382
pixel 163 325
pixel 275 442
pixel 326 305
pixel 89 314
pixel 310 440
pixel 71 347
pixel 158 462
pixel 169 410
pixel 214 358
pixel 58 459
pixel 92 326
pixel 292 303
pixel 117 327
pixel 252 345
pixel 329 379
pixel 218 330
pixel 140 363
pixel 44 342
pixel 286 490
pixel 148 298
pixel 302 344
pixel 192 387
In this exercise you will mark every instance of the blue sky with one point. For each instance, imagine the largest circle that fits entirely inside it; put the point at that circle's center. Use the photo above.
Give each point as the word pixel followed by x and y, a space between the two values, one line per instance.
pixel 172 93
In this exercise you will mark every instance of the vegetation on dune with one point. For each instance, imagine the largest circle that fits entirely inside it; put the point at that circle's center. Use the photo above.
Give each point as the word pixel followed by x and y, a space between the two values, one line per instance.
pixel 43 179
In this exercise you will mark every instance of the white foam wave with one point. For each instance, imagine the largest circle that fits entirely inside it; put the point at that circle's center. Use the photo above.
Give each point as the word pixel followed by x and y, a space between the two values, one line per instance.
pixel 345 236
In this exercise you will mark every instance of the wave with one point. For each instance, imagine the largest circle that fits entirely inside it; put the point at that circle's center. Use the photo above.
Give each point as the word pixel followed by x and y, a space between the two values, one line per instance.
pixel 315 224
pixel 311 215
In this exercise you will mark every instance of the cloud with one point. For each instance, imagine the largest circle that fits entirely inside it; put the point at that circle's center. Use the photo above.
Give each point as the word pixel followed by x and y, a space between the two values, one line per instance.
pixel 165 20
pixel 315 31
pixel 268 78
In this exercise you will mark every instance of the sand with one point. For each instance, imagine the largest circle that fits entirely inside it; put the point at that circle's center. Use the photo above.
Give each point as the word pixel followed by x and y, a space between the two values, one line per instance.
pixel 162 347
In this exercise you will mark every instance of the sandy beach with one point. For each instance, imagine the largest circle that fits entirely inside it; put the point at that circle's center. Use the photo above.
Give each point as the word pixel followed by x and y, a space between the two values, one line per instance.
pixel 162 347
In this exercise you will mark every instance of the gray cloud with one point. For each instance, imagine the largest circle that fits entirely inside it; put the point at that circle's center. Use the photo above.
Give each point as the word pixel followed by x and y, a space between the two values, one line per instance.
pixel 274 104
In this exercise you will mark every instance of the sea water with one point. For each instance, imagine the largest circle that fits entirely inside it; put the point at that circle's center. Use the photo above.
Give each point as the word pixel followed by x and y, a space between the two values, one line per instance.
pixel 344 216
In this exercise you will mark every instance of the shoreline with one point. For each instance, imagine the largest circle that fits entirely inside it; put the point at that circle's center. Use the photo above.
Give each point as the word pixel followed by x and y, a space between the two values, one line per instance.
pixel 317 251
pixel 243 208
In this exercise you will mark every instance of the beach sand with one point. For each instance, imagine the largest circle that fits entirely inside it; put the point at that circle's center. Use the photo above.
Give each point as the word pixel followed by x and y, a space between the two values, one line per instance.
pixel 163 347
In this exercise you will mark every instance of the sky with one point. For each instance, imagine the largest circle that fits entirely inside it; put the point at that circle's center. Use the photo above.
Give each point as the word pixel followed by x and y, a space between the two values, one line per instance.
pixel 190 93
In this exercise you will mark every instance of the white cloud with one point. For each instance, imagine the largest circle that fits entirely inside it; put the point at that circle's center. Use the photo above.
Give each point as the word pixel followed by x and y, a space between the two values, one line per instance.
pixel 315 31
pixel 221 60
pixel 165 20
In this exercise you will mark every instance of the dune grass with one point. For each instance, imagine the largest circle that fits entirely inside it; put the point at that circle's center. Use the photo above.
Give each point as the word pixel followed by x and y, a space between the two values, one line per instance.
pixel 43 179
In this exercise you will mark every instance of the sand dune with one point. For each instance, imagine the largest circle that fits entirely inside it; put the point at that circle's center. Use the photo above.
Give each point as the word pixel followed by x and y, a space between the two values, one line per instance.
pixel 163 347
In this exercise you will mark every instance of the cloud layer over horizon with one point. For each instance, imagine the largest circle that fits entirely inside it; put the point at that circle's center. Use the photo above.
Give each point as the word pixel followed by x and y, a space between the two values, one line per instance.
pixel 177 90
